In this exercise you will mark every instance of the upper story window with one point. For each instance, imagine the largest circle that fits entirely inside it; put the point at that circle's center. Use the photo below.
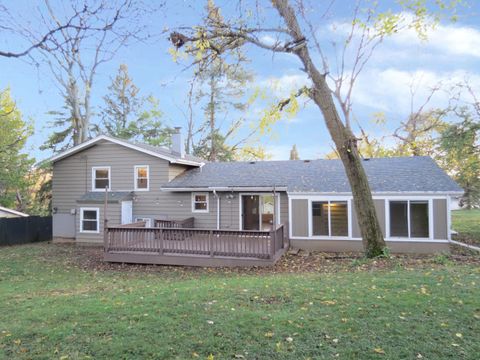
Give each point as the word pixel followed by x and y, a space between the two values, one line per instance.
pixel 409 219
pixel 142 182
pixel 200 202
pixel 101 178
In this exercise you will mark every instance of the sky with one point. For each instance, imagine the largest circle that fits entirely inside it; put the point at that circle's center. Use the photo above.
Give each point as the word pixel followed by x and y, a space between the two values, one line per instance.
pixel 400 63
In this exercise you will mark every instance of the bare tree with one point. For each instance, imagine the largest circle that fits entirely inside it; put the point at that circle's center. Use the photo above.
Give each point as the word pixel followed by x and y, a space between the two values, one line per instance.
pixel 77 38
pixel 330 90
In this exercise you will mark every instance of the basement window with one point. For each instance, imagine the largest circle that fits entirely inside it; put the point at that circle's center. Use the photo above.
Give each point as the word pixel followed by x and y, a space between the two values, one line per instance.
pixel 89 220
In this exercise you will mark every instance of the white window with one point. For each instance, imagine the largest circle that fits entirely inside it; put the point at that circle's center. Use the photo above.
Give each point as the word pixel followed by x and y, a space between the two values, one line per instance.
pixel 148 221
pixel 89 220
pixel 409 219
pixel 101 178
pixel 142 182
pixel 330 218
pixel 200 202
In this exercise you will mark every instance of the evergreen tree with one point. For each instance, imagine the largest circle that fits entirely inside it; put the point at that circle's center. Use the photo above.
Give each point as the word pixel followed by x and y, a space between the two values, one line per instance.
pixel 294 153
pixel 129 116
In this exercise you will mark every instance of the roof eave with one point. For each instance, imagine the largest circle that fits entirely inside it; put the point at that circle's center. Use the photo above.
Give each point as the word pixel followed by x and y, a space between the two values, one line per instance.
pixel 225 188
pixel 91 142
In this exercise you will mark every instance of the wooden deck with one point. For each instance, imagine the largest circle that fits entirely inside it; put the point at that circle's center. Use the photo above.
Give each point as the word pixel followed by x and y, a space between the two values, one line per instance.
pixel 193 247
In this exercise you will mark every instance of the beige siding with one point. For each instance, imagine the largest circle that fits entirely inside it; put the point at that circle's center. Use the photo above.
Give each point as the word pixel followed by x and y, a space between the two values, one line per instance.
pixel 440 223
pixel 174 170
pixel 299 217
pixel 72 179
pixel 114 214
pixel 380 210
pixel 356 246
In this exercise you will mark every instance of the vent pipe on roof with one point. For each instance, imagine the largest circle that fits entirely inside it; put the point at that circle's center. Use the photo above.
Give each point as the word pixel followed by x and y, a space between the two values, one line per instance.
pixel 178 146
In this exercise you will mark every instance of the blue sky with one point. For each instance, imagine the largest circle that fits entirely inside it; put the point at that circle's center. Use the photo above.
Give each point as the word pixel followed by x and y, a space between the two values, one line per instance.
pixel 451 53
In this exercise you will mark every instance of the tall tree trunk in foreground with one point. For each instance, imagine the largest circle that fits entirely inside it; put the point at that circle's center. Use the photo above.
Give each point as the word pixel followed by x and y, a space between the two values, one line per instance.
pixel 344 139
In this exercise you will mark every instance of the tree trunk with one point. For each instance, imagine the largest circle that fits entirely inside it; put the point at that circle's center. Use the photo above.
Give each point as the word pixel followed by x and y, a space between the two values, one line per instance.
pixel 345 141
pixel 213 150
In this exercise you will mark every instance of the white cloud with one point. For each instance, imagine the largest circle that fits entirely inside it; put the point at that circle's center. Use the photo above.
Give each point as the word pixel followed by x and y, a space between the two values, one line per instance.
pixel 446 39
pixel 269 40
pixel 390 89
pixel 284 85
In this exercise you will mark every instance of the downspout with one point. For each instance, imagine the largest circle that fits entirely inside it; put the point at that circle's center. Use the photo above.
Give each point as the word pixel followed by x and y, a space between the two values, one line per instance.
pixel 218 208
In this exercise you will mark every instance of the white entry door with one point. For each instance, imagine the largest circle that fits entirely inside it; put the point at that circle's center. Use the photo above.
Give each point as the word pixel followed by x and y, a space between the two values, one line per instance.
pixel 127 212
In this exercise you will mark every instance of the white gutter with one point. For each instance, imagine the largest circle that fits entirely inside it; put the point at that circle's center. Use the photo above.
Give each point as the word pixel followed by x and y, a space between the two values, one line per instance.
pixel 237 189
pixel 218 208
pixel 471 247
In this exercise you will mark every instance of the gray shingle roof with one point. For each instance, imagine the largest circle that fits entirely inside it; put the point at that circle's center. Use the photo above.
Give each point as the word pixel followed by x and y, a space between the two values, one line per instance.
pixel 399 174
pixel 99 197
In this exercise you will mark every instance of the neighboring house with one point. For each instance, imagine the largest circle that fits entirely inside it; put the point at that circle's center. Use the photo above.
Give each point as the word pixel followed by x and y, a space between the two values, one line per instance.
pixel 9 213
pixel 312 199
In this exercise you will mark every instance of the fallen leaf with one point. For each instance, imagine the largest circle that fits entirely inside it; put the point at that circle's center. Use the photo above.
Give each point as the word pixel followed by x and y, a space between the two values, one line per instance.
pixel 379 351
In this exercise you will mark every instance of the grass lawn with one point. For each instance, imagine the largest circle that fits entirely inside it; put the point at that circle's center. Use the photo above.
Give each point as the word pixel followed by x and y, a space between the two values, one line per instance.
pixel 54 304
pixel 467 224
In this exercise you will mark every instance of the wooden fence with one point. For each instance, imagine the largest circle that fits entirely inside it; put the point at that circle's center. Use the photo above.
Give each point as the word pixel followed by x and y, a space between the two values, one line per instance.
pixel 23 230
pixel 200 242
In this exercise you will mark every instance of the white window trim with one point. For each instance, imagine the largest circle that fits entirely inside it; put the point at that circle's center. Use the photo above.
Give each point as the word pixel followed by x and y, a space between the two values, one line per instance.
pixel 193 202
pixel 94 168
pixel 409 237
pixel 97 210
pixel 135 176
pixel 328 237
pixel 240 205
pixel 319 197
pixel 148 221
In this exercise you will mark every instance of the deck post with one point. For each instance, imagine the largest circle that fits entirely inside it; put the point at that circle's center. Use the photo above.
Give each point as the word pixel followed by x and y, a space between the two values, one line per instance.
pixel 105 221
pixel 160 237
pixel 272 244
pixel 210 242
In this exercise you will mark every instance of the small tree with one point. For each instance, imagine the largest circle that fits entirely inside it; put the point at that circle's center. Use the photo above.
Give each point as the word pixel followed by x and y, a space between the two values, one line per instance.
pixel 15 165
pixel 461 155
pixel 294 153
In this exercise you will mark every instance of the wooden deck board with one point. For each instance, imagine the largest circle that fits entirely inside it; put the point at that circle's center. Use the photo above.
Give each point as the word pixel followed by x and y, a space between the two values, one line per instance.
pixel 195 247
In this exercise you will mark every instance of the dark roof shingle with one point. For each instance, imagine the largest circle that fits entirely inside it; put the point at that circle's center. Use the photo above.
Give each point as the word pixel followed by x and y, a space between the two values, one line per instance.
pixel 398 174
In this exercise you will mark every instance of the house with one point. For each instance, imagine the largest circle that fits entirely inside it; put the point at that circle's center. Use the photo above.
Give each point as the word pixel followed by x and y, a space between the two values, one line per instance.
pixel 308 203
pixel 10 213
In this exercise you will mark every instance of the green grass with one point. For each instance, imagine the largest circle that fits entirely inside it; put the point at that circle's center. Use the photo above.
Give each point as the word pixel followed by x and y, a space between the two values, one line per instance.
pixel 467 224
pixel 51 307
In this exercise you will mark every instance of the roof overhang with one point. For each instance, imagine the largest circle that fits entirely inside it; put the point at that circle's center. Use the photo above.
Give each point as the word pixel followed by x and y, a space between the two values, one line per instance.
pixel 226 188
pixel 13 212
pixel 99 138
pixel 381 193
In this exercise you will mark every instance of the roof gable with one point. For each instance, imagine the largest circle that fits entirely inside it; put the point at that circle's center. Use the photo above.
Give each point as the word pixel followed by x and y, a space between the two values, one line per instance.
pixel 158 152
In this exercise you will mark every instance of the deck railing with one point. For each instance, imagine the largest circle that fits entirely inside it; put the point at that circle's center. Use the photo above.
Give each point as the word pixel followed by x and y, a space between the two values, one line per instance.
pixel 188 223
pixel 206 242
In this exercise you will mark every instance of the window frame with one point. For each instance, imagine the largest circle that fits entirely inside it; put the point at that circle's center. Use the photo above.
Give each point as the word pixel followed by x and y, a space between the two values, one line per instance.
pixel 97 210
pixel 135 177
pixel 429 203
pixel 207 202
pixel 148 221
pixel 94 169
pixel 328 201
